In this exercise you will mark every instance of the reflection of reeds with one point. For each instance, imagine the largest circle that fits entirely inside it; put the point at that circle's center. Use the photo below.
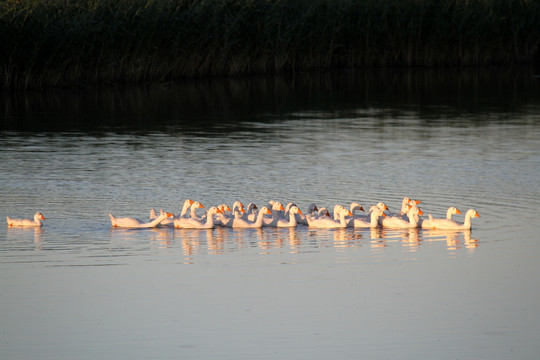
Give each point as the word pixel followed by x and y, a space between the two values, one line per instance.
pixel 55 42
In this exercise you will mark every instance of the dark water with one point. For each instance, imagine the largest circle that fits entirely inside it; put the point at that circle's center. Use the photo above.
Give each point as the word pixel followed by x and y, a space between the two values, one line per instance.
pixel 79 289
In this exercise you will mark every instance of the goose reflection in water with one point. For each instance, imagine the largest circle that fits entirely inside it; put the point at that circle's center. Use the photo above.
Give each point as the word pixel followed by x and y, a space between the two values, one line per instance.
pixel 452 238
pixel 26 234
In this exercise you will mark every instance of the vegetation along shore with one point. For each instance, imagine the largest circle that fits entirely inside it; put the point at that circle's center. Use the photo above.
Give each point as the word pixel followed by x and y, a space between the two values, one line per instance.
pixel 81 42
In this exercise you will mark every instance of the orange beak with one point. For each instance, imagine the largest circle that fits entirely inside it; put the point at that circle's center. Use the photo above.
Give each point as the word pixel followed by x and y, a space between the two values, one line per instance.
pixel 201 206
pixel 268 212
pixel 191 202
pixel 300 212
pixel 420 212
pixel 169 214
pixel 361 208
pixel 281 208
pixel 383 214
pixel 458 212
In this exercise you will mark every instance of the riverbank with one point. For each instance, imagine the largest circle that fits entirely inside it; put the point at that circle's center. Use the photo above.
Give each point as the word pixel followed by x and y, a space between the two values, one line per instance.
pixel 65 43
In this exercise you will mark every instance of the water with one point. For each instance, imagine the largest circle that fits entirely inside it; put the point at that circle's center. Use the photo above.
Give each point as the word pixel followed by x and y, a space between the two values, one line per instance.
pixel 79 289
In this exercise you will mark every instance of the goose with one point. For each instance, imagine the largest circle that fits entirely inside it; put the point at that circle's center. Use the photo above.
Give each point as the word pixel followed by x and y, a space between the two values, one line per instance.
pixel 184 222
pixel 337 211
pixel 292 222
pixel 198 224
pixel 227 215
pixel 375 214
pixel 36 221
pixel 329 223
pixel 192 211
pixel 130 222
pixel 449 224
pixel 355 206
pixel 320 213
pixel 398 222
pixel 169 221
pixel 238 222
pixel 276 214
pixel 301 218
pixel 431 223
pixel 251 212
pixel 405 205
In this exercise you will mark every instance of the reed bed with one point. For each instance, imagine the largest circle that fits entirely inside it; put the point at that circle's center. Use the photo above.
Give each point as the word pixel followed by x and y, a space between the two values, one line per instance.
pixel 79 42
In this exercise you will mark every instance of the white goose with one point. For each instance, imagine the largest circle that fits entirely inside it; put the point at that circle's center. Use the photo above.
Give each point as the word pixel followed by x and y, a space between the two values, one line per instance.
pixel 130 222
pixel 375 214
pixel 448 224
pixel 397 222
pixel 432 222
pixel 292 222
pixel 169 221
pixel 329 223
pixel 186 222
pixel 238 222
pixel 320 213
pixel 198 224
pixel 36 221
pixel 277 213
pixel 355 206
pixel 312 210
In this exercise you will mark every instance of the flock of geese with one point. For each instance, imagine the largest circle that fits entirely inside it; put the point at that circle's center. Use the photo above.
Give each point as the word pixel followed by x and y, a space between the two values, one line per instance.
pixel 275 215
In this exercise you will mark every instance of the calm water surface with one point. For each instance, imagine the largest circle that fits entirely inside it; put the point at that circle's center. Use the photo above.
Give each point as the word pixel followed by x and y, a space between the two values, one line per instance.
pixel 79 289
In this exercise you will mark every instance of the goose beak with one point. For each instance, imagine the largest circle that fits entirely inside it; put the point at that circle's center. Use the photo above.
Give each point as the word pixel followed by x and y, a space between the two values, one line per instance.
pixel 417 202
pixel 201 206
pixel 315 209
pixel 281 208
pixel 300 212
pixel 383 214
pixel 361 208
pixel 268 212
pixel 420 212
pixel 191 202
pixel 169 214
pixel 458 212
pixel 476 214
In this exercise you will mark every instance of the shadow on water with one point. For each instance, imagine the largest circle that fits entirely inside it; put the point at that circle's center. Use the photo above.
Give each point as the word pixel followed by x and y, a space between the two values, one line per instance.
pixel 220 106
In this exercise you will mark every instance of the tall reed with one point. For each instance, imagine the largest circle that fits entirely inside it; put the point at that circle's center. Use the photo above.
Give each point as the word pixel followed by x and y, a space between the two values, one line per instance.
pixel 70 42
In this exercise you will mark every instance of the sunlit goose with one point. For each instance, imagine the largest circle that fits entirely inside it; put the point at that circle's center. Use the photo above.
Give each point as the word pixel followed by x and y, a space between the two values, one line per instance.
pixel 448 224
pixel 130 222
pixel 197 224
pixel 193 211
pixel 185 208
pixel 337 211
pixel 187 222
pixel 292 222
pixel 373 221
pixel 36 221
pixel 251 212
pixel 398 222
pixel 224 216
pixel 320 213
pixel 238 222
pixel 312 210
pixel 356 206
pixel 277 208
pixel 277 213
pixel 432 222
pixel 329 223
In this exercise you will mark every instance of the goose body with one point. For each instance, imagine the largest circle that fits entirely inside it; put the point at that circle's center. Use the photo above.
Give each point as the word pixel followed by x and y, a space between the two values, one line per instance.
pixel 130 222
pixel 329 223
pixel 449 224
pixel 431 223
pixel 292 222
pixel 187 222
pixel 36 221
pixel 239 222
pixel 199 224
pixel 372 222
pixel 397 222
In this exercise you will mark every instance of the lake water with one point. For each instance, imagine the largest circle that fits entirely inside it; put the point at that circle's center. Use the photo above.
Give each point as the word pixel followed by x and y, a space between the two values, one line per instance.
pixel 77 288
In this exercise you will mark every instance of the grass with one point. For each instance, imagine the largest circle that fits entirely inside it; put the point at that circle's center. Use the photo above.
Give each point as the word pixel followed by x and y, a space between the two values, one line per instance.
pixel 75 42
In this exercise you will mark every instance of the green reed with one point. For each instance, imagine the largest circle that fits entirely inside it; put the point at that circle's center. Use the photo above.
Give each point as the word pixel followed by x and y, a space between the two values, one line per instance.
pixel 70 42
